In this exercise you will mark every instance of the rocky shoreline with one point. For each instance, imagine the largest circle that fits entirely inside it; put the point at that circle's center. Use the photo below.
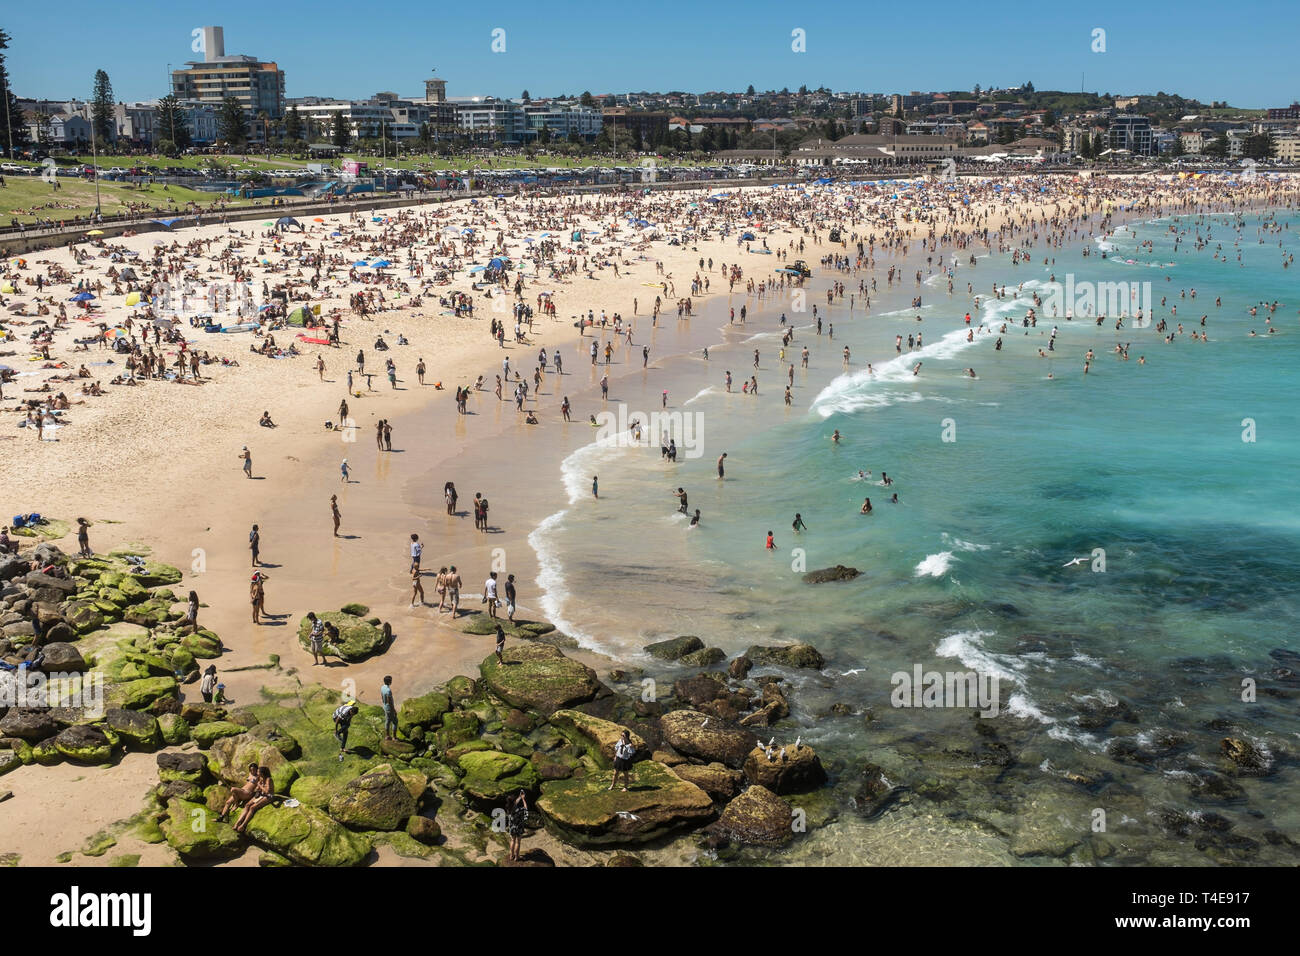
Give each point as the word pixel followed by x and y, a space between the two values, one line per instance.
pixel 542 722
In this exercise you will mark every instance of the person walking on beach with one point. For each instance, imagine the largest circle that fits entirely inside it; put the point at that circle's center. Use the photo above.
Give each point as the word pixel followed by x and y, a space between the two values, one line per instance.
pixel 247 457
pixel 624 751
pixel 490 594
pixel 453 590
pixel 417 550
pixel 501 644
pixel 343 468
pixel 390 709
pixel 417 587
pixel 516 820
pixel 255 543
pixel 83 538
pixel 510 598
pixel 320 366
pixel 342 723
pixel 334 510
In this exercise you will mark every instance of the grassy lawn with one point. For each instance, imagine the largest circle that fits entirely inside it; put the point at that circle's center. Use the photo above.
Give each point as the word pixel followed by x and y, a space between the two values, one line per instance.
pixel 29 198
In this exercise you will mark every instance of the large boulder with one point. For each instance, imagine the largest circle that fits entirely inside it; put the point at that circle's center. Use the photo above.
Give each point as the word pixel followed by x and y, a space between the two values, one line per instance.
pixel 194 831
pixel 275 735
pixel 173 728
pixel 308 837
pixel 36 581
pixel 183 766
pixel 63 657
pixel 719 782
pixel 676 648
pixel 139 694
pixel 357 640
pixel 539 677
pixel 793 770
pixel 206 734
pixel 30 724
pixel 594 735
pixel 793 655
pixel 424 712
pixel 138 729
pixel 757 816
pixel 84 616
pixel 84 744
pixel 584 810
pixel 378 800
pixel 155 574
pixel 707 738
pixel 230 756
pixel 492 776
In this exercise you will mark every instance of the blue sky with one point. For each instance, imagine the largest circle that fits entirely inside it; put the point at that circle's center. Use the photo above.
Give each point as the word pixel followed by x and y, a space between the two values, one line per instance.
pixel 1240 52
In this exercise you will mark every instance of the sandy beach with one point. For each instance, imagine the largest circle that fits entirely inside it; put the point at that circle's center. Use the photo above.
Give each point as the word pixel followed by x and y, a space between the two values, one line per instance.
pixel 157 464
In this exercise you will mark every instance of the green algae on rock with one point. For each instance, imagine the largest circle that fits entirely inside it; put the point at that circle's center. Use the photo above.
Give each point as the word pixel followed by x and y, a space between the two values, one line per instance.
pixel 585 811
pixel 539 677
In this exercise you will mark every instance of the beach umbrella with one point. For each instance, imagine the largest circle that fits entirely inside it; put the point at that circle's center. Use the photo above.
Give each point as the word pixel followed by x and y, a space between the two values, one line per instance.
pixel 81 297
pixel 127 273
pixel 380 264
pixel 95 232
pixel 360 264
pixel 133 298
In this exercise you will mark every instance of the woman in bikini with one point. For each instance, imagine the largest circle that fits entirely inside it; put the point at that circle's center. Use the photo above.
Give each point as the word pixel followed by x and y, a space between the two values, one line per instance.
pixel 263 792
pixel 441 586
pixel 241 795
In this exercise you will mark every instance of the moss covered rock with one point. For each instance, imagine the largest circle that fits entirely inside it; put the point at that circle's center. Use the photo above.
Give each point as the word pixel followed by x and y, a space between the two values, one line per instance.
pixel 458 727
pixel 84 744
pixel 275 735
pixel 379 800
pixel 539 677
pixel 139 694
pixel 357 640
pixel 425 712
pixel 316 791
pixel 308 837
pixel 790 655
pixel 707 738
pixel 757 816
pixel 137 729
pixel 206 734
pixel 194 831
pixel 675 648
pixel 156 574
pixel 594 736
pixel 174 729
pixel 230 756
pixel 585 811
pixel 202 644
pixel 491 776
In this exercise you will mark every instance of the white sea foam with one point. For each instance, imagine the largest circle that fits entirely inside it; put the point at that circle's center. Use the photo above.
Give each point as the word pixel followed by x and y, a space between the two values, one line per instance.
pixel 959 545
pixel 968 647
pixel 934 565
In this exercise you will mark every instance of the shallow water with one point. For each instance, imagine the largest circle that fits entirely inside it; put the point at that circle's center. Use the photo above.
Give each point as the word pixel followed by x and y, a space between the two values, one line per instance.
pixel 1190 545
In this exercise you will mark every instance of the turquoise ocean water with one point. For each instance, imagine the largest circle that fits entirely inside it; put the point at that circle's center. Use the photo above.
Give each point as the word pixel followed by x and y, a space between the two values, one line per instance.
pixel 1119 675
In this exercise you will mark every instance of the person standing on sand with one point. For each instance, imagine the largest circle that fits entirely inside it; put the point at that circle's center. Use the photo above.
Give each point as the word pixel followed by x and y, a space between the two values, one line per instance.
pixel 388 435
pixel 247 456
pixel 453 590
pixel 256 595
pixel 417 587
pixel 490 595
pixel 344 469
pixel 390 709
pixel 83 538
pixel 419 371
pixel 501 644
pixel 208 684
pixel 417 550
pixel 320 366
pixel 379 434
pixel 510 598
pixel 255 543
pixel 316 638
pixel 595 488
pixel 334 509
pixel 624 751
pixel 440 585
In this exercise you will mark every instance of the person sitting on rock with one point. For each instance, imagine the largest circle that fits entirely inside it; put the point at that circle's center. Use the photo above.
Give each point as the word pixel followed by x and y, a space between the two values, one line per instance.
pixel 241 795
pixel 261 797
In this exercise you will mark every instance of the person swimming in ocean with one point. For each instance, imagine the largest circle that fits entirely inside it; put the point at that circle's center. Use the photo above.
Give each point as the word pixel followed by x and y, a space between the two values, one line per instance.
pixel 695 521
pixel 835 438
pixel 866 506
pixel 799 523
pixel 771 542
